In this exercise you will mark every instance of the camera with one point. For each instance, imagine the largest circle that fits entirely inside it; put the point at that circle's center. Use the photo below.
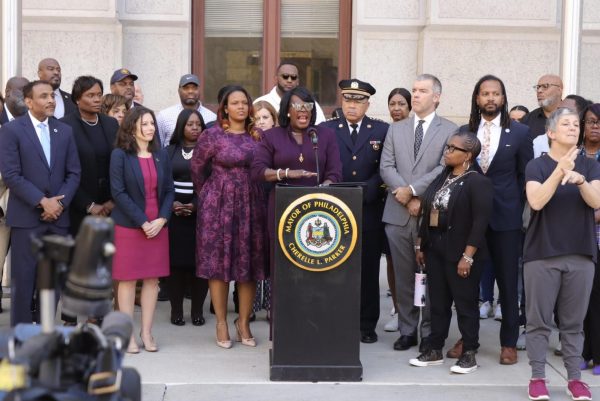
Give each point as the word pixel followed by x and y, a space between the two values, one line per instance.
pixel 43 362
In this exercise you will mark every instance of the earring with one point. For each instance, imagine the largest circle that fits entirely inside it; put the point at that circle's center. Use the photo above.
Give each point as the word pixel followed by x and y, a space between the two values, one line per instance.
pixel 288 114
pixel 467 164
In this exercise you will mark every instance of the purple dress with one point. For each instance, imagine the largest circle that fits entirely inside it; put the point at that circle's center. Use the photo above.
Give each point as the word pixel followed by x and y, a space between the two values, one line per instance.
pixel 138 257
pixel 279 149
pixel 230 230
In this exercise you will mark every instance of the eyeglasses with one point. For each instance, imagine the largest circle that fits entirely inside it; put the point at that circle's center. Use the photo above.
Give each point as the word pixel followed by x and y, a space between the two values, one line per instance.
pixel 452 148
pixel 289 76
pixel 302 106
pixel 591 123
pixel 544 86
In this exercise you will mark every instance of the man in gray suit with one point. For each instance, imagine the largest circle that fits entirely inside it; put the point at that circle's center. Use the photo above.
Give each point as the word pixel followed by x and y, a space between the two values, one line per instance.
pixel 411 159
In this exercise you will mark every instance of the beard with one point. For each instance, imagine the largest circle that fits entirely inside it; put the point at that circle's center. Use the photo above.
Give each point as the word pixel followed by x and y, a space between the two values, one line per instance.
pixel 546 102
pixel 491 112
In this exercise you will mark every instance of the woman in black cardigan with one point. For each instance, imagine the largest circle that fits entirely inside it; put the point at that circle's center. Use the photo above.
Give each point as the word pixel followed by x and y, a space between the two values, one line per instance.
pixel 455 212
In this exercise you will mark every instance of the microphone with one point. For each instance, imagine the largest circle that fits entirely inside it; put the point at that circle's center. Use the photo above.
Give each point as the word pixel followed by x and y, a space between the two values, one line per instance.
pixel 118 325
pixel 314 138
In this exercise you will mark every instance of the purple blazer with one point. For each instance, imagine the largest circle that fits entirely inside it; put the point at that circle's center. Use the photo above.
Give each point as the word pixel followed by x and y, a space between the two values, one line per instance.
pixel 278 149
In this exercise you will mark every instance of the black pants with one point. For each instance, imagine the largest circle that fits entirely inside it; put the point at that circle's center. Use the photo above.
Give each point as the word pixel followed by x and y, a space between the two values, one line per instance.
pixel 177 282
pixel 504 251
pixel 445 287
pixel 369 288
pixel 591 324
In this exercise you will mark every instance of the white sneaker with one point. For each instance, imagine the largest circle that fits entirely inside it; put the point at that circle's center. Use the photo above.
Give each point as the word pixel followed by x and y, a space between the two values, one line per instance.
pixel 485 310
pixel 498 313
pixel 393 311
pixel 392 325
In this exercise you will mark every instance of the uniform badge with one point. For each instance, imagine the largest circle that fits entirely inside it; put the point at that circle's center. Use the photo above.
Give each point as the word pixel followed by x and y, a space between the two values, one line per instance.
pixel 354 85
pixel 375 144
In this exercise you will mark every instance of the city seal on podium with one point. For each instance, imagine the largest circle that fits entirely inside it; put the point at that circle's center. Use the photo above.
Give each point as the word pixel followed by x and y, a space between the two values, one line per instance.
pixel 317 232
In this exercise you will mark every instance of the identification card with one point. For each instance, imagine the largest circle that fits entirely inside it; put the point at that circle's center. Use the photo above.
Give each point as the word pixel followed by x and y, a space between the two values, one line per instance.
pixel 434 218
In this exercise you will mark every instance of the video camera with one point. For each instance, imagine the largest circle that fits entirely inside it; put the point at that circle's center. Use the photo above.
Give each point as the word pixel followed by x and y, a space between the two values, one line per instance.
pixel 83 363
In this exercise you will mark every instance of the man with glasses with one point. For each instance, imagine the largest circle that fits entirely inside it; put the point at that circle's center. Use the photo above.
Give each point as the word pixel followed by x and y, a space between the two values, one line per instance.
pixel 412 157
pixel 360 140
pixel 287 78
pixel 549 95
pixel 506 148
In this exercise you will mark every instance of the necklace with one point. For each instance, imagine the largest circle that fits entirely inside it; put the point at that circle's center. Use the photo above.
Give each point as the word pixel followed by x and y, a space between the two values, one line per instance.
pixel 299 135
pixel 187 155
pixel 91 124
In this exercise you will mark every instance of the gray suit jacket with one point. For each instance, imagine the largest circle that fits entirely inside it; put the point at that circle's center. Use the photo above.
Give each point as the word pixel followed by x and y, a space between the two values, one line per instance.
pixel 399 168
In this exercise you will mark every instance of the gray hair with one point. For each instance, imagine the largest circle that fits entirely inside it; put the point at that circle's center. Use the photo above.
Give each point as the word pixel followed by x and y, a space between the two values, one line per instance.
pixel 437 85
pixel 552 120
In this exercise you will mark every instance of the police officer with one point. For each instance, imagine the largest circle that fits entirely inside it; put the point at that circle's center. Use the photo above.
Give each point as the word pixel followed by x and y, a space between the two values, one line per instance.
pixel 360 140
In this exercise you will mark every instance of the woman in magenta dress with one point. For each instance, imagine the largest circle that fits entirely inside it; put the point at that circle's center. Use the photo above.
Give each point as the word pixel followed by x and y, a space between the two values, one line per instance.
pixel 230 234
pixel 142 189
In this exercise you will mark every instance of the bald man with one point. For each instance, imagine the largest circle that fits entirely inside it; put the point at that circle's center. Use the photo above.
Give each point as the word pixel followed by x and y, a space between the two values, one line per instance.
pixel 49 70
pixel 549 95
pixel 14 103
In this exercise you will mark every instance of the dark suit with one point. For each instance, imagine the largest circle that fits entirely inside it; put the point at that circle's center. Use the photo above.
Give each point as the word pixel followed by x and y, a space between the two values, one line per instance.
pixel 91 189
pixel 507 173
pixel 464 223
pixel 127 187
pixel 70 106
pixel 360 163
pixel 3 116
pixel 29 178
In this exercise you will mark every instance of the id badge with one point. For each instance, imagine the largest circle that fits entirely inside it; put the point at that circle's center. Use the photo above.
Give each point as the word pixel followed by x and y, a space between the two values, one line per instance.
pixel 434 218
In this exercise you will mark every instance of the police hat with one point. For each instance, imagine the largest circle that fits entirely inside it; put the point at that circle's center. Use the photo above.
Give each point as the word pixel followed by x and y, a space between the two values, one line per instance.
pixel 356 87
pixel 121 74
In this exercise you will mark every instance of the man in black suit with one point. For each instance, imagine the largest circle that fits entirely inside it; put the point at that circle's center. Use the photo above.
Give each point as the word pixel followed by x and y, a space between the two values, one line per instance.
pixel 49 70
pixel 360 140
pixel 14 103
pixel 506 148
pixel 40 166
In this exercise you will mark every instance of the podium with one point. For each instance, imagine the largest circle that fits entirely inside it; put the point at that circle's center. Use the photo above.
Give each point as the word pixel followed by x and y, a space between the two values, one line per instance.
pixel 316 284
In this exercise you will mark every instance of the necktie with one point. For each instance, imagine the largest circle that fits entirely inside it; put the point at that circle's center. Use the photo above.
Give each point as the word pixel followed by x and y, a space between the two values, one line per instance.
pixel 484 158
pixel 45 140
pixel 354 133
pixel 418 137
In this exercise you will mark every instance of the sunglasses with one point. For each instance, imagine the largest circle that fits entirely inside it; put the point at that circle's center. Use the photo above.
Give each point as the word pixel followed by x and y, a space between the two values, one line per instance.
pixel 302 106
pixel 452 148
pixel 289 76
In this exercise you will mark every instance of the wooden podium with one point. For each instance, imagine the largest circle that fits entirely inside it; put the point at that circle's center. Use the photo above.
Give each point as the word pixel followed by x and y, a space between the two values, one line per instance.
pixel 316 284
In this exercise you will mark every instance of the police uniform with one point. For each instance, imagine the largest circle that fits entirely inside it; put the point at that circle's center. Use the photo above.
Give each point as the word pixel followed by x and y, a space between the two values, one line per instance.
pixel 360 163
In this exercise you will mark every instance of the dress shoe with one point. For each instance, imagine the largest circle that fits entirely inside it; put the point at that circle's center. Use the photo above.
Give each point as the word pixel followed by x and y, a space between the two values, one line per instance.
pixel 508 356
pixel 178 321
pixel 223 343
pixel 149 345
pixel 405 342
pixel 368 337
pixel 456 351
pixel 133 348
pixel 249 342
pixel 198 321
pixel 425 345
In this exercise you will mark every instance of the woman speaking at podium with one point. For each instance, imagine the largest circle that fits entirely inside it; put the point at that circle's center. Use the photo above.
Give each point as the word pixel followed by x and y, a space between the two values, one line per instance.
pixel 287 153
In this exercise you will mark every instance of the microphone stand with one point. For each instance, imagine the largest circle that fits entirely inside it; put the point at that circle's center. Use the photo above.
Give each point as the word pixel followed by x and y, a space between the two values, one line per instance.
pixel 315 142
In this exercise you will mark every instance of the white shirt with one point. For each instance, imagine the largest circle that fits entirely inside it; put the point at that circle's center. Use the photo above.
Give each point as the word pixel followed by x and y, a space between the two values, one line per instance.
pixel 275 100
pixel 350 127
pixel 540 145
pixel 167 118
pixel 36 122
pixel 59 111
pixel 10 116
pixel 496 131
pixel 428 119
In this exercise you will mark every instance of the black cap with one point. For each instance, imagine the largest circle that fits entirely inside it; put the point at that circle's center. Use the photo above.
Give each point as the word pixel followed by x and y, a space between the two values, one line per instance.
pixel 356 87
pixel 121 74
pixel 189 79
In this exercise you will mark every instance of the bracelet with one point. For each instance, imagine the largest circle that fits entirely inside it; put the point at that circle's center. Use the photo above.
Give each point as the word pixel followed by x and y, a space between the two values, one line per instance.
pixel 89 209
pixel 278 177
pixel 468 259
pixel 286 172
